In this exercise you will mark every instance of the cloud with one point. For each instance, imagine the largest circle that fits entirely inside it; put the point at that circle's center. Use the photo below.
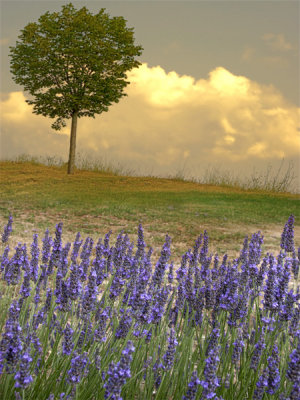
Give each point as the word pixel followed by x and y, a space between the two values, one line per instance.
pixel 277 42
pixel 168 120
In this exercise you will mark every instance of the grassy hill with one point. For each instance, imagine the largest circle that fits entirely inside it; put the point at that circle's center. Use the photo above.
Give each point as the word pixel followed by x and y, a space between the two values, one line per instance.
pixel 93 202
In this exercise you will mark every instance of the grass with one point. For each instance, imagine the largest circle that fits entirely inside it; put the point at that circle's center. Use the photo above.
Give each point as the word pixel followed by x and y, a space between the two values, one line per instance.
pixel 39 193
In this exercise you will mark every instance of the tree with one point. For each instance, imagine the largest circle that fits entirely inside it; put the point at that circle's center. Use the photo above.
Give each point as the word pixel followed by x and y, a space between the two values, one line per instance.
pixel 74 64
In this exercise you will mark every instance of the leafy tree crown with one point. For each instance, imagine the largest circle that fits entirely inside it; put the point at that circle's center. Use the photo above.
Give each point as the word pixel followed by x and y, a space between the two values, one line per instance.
pixel 74 61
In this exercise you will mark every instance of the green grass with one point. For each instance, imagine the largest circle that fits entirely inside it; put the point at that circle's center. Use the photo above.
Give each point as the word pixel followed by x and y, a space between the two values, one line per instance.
pixel 98 198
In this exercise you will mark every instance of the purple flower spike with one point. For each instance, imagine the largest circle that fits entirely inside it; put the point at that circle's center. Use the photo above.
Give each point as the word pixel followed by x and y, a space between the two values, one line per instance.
pixel 295 393
pixel 273 370
pixel 55 258
pixel 68 342
pixel 12 273
pixel 124 325
pixel 192 387
pixel 293 371
pixel 78 365
pixel 261 385
pixel 47 243
pixel 34 258
pixel 211 381
pixel 7 230
pixel 118 373
pixel 170 353
pixel 161 265
pixel 260 345
pixel 22 377
pixel 287 237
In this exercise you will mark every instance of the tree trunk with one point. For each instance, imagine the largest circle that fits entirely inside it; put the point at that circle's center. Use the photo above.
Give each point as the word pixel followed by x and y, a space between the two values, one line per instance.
pixel 71 163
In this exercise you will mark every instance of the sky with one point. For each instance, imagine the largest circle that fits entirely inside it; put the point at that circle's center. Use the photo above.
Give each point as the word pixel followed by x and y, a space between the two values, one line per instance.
pixel 218 89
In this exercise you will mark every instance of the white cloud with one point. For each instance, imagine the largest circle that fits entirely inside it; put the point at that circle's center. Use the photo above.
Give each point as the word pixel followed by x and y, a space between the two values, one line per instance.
pixel 168 119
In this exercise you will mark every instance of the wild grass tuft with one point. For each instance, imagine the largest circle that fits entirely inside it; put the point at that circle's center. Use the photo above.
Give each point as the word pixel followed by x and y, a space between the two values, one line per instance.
pixel 273 180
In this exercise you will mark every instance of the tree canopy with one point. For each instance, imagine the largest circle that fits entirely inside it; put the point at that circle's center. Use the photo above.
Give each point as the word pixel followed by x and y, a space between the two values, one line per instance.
pixel 74 64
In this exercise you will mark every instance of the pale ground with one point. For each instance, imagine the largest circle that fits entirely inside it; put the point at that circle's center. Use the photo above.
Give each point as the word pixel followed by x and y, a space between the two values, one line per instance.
pixel 23 232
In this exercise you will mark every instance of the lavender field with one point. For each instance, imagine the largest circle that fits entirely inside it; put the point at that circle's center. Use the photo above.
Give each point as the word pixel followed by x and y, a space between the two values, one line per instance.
pixel 87 320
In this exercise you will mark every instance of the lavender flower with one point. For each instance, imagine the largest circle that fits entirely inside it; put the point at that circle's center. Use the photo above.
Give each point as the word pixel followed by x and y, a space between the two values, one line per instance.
pixel 74 284
pixel 141 244
pixel 211 381
pixel 238 346
pixel 213 340
pixel 90 296
pixel 68 344
pixel 117 284
pixel 13 272
pixel 286 312
pixel 118 373
pixel 293 371
pixel 273 372
pixel 270 302
pixel 11 344
pixel 204 248
pixel 76 246
pixel 4 260
pixel 34 258
pixel 25 289
pixel 170 353
pixel 287 237
pixel 55 258
pixel 261 385
pixel 241 309
pixel 139 296
pixel 192 387
pixel 157 369
pixel 162 263
pixel 210 291
pixel 47 243
pixel 124 325
pixel 97 360
pixel 101 319
pixel 7 230
pixel 255 248
pixel 283 283
pixel 170 275
pixel 295 392
pixel 23 377
pixel 180 273
pixel 260 345
pixel 63 299
pixel 64 259
pixel 159 305
pixel 294 321
pixel 77 370
pixel 296 264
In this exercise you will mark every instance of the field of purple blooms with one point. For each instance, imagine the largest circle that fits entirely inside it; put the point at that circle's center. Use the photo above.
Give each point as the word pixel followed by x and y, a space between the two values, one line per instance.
pixel 88 322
